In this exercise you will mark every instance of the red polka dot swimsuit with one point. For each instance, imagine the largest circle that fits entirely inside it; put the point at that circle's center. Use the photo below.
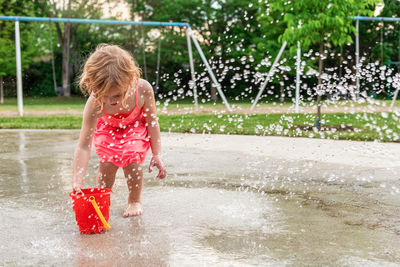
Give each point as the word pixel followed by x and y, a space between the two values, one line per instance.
pixel 122 139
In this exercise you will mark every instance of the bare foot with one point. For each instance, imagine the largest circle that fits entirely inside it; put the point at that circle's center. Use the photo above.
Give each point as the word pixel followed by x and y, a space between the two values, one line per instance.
pixel 134 209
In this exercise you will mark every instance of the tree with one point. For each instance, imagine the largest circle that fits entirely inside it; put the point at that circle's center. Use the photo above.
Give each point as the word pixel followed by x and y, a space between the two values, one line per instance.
pixel 233 27
pixel 322 23
pixel 391 30
pixel 226 27
pixel 30 47
pixel 91 9
pixel 173 46
pixel 268 46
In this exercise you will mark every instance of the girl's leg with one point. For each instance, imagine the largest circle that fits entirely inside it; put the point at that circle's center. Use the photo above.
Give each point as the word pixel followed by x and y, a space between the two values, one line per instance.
pixel 134 178
pixel 106 175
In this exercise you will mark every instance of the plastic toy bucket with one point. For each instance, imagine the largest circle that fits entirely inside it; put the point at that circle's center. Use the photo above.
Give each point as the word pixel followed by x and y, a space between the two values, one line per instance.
pixel 92 209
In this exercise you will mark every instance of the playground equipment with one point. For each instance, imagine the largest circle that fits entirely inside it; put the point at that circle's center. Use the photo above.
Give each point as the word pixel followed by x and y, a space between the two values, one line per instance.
pixel 357 52
pixel 298 61
pixel 157 78
pixel 189 34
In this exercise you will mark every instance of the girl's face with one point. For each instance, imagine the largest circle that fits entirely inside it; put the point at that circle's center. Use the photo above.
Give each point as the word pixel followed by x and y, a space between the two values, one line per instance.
pixel 113 97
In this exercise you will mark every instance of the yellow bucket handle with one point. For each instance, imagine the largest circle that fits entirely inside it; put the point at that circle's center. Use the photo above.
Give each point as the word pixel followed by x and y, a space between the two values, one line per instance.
pixel 98 211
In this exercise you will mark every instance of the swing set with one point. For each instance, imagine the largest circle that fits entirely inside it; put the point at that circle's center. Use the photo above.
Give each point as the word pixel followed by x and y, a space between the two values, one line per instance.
pixel 189 36
pixel 298 62
pixel 390 63
pixel 155 86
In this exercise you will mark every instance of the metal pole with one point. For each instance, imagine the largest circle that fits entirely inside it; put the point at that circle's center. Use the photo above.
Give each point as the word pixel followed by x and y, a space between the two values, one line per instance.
pixel 298 61
pixel 210 72
pixel 72 20
pixel 19 72
pixel 269 75
pixel 357 59
pixel 192 83
pixel 155 23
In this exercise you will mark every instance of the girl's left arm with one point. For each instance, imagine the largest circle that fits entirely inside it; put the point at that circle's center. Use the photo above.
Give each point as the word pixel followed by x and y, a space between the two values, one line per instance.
pixel 153 129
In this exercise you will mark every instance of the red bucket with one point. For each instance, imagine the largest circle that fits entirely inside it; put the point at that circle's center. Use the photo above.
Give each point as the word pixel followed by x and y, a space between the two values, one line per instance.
pixel 92 209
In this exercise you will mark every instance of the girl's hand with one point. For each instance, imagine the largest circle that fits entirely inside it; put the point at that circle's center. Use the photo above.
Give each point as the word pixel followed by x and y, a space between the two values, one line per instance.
pixel 156 161
pixel 77 185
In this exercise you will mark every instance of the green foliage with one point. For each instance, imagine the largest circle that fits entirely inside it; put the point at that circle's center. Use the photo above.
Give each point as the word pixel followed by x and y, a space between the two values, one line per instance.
pixel 29 46
pixel 324 21
pixel 32 40
pixel 39 80
pixel 239 37
pixel 390 46
pixel 227 27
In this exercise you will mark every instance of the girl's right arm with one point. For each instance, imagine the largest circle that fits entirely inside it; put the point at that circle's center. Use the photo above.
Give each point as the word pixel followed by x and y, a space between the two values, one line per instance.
pixel 82 151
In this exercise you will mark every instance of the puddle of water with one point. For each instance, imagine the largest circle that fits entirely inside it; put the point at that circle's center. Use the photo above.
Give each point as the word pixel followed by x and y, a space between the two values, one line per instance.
pixel 233 211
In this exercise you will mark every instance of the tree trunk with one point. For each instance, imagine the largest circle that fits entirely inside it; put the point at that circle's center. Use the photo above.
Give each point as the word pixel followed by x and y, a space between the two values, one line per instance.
pixel 214 96
pixel 65 60
pixel 341 62
pixel 398 49
pixel 213 91
pixel 1 90
pixel 282 97
pixel 319 88
pixel 382 43
pixel 75 57
pixel 1 78
pixel 65 43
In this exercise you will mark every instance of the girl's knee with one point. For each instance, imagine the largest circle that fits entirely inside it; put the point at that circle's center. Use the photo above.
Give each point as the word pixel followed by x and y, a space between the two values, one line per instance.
pixel 106 175
pixel 134 167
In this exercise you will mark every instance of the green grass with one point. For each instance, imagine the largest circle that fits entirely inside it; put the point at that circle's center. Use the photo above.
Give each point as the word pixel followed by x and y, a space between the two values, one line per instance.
pixel 44 103
pixel 369 126
pixel 78 103
pixel 188 102
pixel 366 126
pixel 41 122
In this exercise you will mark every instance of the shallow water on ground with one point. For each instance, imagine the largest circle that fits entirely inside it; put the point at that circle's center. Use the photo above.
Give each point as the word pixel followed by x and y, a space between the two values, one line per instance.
pixel 215 208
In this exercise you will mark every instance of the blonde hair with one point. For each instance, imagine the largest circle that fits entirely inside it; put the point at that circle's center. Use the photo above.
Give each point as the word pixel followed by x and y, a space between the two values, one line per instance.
pixel 108 67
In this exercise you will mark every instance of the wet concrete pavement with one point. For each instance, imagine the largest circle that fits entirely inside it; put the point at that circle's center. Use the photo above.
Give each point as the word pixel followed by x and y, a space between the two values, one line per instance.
pixel 227 201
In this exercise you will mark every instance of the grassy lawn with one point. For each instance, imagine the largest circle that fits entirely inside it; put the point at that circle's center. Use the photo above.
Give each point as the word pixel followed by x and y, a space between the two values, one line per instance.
pixel 182 103
pixel 42 122
pixel 358 126
pixel 44 103
pixel 383 126
pixel 78 103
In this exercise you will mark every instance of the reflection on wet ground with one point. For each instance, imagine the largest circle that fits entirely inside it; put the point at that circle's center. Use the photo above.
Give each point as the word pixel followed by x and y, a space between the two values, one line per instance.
pixel 215 208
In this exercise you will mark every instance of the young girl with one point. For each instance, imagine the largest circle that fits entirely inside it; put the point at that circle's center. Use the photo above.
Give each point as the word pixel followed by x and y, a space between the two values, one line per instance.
pixel 120 119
